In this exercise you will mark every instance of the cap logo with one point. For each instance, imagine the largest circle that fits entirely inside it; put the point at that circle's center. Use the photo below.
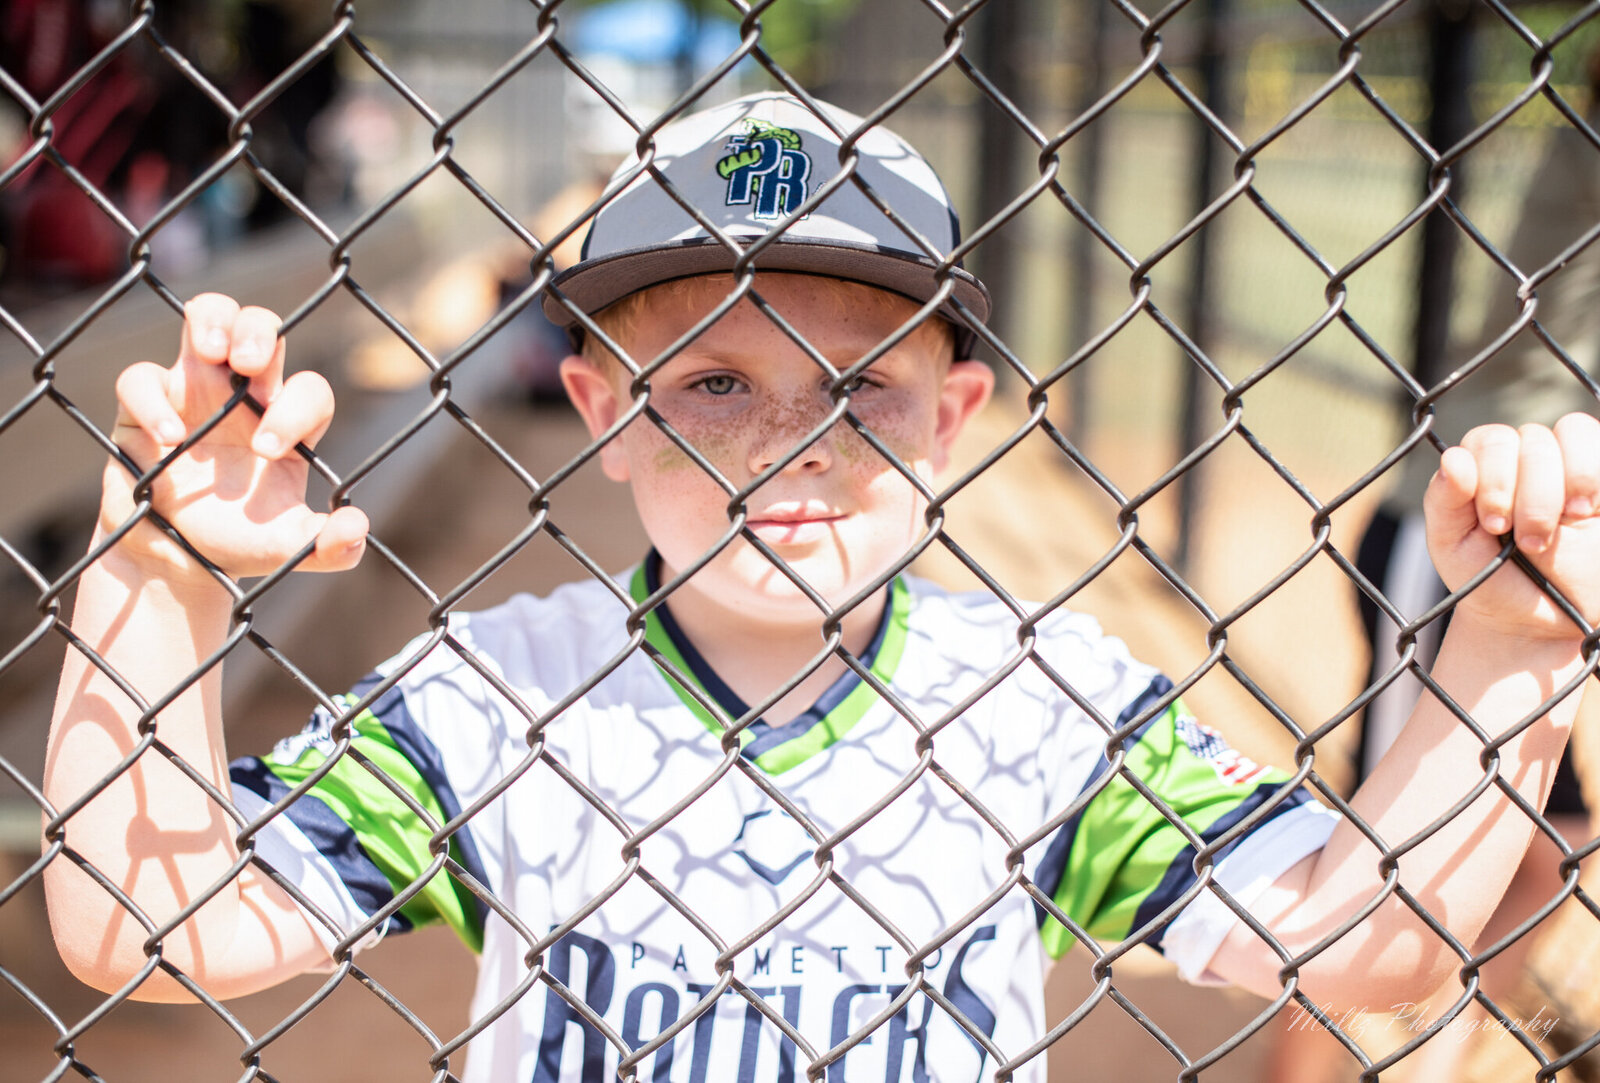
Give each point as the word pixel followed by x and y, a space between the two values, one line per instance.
pixel 765 165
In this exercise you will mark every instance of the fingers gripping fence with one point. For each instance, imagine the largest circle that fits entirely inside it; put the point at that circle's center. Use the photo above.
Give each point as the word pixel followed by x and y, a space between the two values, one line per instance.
pixel 1142 70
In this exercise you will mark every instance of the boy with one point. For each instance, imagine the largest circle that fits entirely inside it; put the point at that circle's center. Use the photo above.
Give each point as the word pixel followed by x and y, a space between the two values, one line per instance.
pixel 761 804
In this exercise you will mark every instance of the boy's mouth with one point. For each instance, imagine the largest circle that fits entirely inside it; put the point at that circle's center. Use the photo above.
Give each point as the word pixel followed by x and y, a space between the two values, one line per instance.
pixel 794 525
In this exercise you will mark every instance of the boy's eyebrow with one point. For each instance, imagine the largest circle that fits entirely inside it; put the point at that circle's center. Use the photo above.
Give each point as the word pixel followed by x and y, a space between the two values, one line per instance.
pixel 840 359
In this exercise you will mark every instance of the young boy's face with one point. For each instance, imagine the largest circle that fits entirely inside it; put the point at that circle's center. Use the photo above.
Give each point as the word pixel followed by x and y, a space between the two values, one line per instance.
pixel 745 395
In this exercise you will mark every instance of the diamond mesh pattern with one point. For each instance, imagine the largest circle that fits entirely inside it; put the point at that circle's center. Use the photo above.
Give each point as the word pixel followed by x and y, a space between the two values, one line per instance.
pixel 1272 289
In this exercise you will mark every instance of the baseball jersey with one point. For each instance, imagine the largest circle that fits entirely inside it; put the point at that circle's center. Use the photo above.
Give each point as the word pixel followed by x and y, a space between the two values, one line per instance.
pixel 732 908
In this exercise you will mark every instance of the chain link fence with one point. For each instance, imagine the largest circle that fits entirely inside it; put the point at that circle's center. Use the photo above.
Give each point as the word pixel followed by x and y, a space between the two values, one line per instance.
pixel 1205 226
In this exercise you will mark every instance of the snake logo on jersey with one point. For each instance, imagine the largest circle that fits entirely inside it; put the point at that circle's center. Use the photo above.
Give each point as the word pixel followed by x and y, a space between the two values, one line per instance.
pixel 733 1040
pixel 772 844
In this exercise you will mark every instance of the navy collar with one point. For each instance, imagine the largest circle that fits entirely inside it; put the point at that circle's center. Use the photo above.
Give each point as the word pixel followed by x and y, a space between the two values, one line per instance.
pixel 760 738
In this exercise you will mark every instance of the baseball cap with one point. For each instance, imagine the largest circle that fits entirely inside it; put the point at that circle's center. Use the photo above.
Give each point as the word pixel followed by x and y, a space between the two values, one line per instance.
pixel 747 166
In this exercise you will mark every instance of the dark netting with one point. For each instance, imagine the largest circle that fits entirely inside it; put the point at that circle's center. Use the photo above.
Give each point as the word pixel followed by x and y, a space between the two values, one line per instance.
pixel 1250 261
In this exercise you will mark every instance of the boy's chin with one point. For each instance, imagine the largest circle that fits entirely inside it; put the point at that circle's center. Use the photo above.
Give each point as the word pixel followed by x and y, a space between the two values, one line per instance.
pixel 758 589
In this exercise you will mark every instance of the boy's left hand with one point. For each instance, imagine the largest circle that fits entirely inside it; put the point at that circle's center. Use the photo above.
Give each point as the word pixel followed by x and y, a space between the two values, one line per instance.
pixel 1543 487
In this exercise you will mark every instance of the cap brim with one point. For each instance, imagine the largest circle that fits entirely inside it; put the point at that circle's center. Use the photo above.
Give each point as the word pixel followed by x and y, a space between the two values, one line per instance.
pixel 594 284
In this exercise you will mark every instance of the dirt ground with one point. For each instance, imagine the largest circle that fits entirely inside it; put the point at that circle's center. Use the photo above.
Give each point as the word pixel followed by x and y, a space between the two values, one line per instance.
pixel 1031 521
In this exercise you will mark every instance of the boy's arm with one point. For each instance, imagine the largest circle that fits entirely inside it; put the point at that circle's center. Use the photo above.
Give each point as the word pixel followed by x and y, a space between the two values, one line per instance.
pixel 1507 651
pixel 154 616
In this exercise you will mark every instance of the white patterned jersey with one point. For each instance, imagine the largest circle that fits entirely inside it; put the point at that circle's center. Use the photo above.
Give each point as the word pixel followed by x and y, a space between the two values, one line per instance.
pixel 735 908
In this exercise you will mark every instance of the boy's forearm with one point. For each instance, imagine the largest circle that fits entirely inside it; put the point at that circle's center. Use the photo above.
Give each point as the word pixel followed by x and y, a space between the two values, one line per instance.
pixel 1458 873
pixel 151 830
pixel 235 489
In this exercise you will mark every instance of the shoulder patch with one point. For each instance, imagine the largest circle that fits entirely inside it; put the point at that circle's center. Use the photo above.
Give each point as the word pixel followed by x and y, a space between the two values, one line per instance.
pixel 1231 765
pixel 317 736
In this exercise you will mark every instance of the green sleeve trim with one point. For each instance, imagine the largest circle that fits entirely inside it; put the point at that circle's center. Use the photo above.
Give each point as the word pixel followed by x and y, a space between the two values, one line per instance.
pixel 390 833
pixel 1123 863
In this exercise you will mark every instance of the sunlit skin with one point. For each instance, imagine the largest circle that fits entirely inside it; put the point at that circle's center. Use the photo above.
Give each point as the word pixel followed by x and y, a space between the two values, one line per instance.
pixel 744 395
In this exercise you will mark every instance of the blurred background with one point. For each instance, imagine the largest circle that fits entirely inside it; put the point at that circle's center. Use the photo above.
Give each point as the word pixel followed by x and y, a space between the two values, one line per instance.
pixel 389 180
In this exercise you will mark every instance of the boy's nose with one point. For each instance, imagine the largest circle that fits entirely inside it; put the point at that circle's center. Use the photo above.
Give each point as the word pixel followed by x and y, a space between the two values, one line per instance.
pixel 780 430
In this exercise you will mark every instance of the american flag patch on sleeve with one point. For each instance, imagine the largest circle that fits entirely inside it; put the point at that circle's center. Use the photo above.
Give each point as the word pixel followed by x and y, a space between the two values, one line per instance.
pixel 1231 765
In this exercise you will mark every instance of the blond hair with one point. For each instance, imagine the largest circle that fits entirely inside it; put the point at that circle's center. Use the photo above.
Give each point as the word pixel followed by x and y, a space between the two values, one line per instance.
pixel 621 320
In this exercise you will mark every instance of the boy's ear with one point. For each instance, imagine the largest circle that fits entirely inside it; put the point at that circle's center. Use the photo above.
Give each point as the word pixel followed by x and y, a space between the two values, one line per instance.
pixel 967 387
pixel 594 395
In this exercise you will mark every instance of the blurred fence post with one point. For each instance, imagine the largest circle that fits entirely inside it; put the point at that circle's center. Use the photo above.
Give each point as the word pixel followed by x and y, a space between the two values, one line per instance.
pixel 1450 64
pixel 1091 150
pixel 1000 44
pixel 1211 71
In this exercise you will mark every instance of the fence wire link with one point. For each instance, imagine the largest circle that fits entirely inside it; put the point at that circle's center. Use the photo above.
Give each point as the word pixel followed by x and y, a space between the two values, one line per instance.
pixel 1157 62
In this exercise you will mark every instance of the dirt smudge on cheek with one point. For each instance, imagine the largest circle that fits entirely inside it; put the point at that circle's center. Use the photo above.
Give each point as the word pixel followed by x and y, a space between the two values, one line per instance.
pixel 716 443
pixel 670 458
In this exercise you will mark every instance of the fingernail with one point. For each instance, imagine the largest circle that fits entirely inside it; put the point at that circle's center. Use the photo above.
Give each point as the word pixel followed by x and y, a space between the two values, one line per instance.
pixel 215 340
pixel 170 431
pixel 1579 507
pixel 1495 524
pixel 267 445
pixel 246 351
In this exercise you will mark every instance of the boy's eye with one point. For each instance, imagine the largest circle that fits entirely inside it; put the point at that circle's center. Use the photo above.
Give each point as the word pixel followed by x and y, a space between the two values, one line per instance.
pixel 719 384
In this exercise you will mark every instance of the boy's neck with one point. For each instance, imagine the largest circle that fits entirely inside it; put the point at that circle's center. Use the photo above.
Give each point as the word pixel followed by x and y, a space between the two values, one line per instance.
pixel 755 656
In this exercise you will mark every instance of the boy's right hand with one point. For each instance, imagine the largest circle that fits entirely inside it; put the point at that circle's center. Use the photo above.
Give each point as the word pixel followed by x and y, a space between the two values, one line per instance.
pixel 238 494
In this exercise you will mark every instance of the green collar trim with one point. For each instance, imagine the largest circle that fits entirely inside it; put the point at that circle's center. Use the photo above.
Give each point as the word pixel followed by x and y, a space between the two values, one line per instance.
pixel 808 740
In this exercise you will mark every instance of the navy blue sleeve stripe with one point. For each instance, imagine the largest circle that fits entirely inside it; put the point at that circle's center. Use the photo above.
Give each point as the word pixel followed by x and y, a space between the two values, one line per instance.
pixel 1052 866
pixel 390 709
pixel 1180 875
pixel 332 837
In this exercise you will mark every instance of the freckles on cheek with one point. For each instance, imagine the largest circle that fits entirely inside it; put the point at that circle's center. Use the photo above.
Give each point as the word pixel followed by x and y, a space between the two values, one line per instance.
pixel 903 437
